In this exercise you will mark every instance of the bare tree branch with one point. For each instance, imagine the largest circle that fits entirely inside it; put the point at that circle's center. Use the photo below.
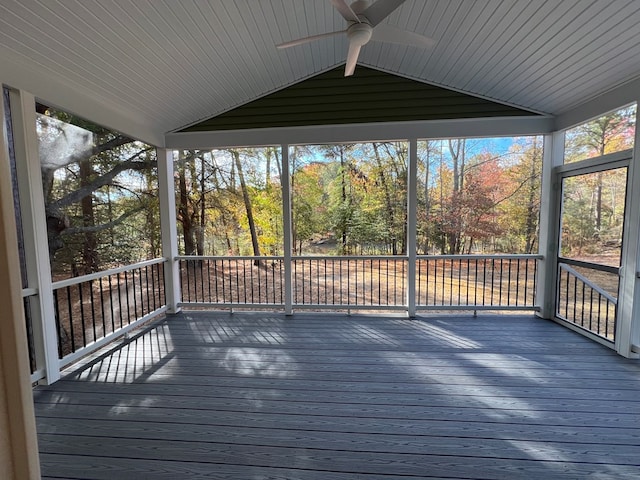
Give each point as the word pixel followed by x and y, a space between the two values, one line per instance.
pixel 129 164
pixel 103 226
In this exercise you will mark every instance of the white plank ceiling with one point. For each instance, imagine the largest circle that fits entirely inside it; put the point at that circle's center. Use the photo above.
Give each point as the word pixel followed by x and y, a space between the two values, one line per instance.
pixel 171 63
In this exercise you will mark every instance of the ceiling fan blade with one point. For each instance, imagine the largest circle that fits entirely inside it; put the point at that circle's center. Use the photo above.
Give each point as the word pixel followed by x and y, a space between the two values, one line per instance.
pixel 381 10
pixel 312 38
pixel 387 33
pixel 345 10
pixel 352 59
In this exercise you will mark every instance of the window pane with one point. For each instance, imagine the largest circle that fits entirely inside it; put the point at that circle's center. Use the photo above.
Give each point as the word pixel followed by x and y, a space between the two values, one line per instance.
pixel 610 133
pixel 229 202
pixel 349 199
pixel 479 195
pixel 593 215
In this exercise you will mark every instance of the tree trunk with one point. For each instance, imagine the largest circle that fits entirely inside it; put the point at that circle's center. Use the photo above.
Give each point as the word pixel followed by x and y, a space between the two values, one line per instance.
pixel 391 224
pixel 532 214
pixel 598 204
pixel 200 230
pixel 247 205
pixel 343 181
pixel 185 213
pixel 90 242
pixel 427 203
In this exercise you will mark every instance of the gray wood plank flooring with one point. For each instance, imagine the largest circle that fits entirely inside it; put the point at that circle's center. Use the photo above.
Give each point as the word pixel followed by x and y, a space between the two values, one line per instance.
pixel 265 396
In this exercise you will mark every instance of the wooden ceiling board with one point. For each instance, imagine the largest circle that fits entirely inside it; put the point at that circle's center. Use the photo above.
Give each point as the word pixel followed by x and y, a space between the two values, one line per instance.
pixel 173 63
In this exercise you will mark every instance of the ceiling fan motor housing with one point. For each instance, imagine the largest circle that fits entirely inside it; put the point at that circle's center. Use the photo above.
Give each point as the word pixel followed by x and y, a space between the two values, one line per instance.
pixel 359 33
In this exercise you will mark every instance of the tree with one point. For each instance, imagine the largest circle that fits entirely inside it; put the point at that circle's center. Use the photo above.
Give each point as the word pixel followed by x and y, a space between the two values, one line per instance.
pixel 609 133
pixel 89 176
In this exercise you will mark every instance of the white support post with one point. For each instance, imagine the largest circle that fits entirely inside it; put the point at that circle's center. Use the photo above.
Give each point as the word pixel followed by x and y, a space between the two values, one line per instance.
pixel 412 212
pixel 166 192
pixel 285 182
pixel 19 443
pixel 34 225
pixel 628 315
pixel 549 223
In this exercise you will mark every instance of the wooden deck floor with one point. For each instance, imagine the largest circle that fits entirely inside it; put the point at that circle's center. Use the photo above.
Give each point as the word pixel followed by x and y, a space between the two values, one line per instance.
pixel 263 396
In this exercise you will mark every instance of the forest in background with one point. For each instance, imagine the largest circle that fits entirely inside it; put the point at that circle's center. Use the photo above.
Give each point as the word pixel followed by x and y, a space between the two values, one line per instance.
pixel 474 196
pixel 593 204
pixel 351 199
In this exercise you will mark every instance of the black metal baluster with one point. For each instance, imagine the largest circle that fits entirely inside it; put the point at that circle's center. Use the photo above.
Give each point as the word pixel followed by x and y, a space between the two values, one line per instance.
pixel 500 275
pixel 475 284
pixel 126 289
pixel 134 296
pixel 93 311
pixel 119 298
pixel 188 279
pixel 84 327
pixel 395 282
pixel 237 282
pixel 326 294
pixel 104 325
pixel 535 282
pixel 509 284
pixel 113 316
pixel 209 280
pixel 591 308
pixel 575 300
pixel 308 277
pixel 599 310
pixel 318 279
pixel 356 281
pixel 451 281
pixel 303 280
pixel 146 281
pixel 71 320
pixel 153 285
pixel 215 278
pixel 582 304
pixel 566 298
pixel 57 319
pixel 467 280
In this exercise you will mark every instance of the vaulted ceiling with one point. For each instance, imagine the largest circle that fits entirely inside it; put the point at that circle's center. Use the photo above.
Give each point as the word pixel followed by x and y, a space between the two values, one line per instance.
pixel 169 64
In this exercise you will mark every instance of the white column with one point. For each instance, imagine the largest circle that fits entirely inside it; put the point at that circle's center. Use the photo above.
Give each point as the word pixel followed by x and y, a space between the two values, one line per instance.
pixel 34 226
pixel 412 212
pixel 628 315
pixel 549 222
pixel 166 193
pixel 19 446
pixel 285 182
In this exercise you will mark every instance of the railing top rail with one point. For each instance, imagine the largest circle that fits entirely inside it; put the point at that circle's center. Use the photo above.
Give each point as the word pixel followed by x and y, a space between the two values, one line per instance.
pixel 589 283
pixel 228 257
pixel 592 266
pixel 114 271
pixel 510 256
pixel 349 257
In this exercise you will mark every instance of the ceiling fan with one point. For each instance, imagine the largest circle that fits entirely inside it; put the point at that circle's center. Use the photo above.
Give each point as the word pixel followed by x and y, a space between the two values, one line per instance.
pixel 363 24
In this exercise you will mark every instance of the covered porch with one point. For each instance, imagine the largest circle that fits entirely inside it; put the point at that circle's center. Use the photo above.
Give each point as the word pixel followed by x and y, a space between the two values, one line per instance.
pixel 317 366
pixel 264 395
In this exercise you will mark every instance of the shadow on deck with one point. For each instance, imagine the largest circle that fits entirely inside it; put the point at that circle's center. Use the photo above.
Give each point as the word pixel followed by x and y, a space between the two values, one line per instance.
pixel 261 395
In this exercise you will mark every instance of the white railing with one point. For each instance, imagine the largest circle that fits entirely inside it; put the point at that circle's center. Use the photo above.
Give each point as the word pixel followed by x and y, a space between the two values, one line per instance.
pixel 93 310
pixel 442 282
